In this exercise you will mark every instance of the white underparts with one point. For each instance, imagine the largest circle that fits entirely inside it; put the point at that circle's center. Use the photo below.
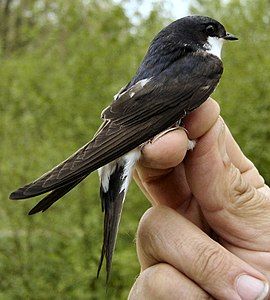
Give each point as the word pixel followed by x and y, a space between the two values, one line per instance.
pixel 128 161
pixel 105 174
pixel 214 46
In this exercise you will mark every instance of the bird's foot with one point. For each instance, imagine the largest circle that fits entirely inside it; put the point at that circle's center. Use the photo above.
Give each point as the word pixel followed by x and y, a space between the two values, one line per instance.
pixel 175 127
pixel 191 143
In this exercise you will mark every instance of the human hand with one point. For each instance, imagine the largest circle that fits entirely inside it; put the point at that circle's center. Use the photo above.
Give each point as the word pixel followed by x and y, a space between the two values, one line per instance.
pixel 207 235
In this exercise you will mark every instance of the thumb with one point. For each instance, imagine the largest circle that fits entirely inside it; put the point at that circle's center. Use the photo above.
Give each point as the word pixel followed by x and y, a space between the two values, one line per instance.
pixel 233 207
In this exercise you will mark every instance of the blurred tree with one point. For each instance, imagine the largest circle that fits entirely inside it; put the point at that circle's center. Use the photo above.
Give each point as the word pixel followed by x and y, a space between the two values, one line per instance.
pixel 17 18
pixel 57 73
pixel 61 62
pixel 5 13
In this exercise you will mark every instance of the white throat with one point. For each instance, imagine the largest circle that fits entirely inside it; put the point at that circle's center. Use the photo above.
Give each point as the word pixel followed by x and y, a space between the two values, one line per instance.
pixel 214 46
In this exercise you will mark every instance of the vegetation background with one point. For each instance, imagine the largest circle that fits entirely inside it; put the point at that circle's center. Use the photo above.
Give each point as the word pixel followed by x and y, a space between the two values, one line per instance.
pixel 60 63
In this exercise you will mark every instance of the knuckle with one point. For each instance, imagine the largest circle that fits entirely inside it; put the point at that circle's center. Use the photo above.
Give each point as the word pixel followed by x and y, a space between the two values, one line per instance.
pixel 210 263
pixel 152 279
pixel 248 204
pixel 257 180
pixel 149 228
pixel 150 222
pixel 261 180
pixel 144 230
pixel 241 192
pixel 146 225
pixel 160 273
pixel 162 281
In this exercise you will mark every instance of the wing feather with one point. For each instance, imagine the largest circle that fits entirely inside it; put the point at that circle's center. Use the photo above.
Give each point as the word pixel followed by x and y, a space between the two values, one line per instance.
pixel 132 120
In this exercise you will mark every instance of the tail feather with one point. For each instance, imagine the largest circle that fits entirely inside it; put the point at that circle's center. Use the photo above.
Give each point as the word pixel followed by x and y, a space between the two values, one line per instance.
pixel 55 195
pixel 115 178
pixel 112 203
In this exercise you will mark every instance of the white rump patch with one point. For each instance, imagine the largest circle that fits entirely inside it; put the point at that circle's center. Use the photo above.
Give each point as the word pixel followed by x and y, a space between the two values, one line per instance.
pixel 214 46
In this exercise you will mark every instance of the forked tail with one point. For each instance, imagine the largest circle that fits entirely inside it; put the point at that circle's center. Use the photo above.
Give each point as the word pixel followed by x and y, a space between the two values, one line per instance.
pixel 115 178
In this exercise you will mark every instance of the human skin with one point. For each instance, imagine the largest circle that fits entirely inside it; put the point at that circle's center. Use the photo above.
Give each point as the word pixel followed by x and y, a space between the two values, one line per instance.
pixel 207 235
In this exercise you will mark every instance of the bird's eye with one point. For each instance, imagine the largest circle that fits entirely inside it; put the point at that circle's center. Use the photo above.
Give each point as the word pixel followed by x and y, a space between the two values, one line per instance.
pixel 210 30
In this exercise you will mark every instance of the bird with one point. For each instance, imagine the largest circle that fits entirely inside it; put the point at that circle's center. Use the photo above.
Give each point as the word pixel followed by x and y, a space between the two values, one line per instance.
pixel 180 70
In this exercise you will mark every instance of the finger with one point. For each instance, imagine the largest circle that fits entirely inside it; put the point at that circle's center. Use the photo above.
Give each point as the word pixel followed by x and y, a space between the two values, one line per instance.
pixel 241 162
pixel 171 189
pixel 259 260
pixel 232 206
pixel 166 236
pixel 169 150
pixel 162 282
pixel 202 119
pixel 265 190
pixel 165 152
pixel 164 183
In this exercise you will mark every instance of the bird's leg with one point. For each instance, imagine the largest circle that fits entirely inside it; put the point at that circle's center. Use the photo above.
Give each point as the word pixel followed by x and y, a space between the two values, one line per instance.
pixel 165 132
pixel 178 125
pixel 191 143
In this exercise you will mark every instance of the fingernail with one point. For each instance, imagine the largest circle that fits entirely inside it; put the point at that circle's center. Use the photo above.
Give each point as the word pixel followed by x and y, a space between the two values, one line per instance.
pixel 250 288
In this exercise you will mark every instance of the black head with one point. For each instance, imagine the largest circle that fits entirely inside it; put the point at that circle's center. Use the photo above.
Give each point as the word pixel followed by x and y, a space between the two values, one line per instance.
pixel 200 28
pixel 193 31
pixel 185 35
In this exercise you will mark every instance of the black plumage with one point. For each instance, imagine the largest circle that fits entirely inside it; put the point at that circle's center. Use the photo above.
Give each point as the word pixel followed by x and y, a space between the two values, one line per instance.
pixel 111 202
pixel 179 72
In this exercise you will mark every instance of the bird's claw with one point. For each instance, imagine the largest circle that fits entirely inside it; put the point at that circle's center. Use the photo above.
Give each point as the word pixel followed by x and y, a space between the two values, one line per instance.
pixel 176 127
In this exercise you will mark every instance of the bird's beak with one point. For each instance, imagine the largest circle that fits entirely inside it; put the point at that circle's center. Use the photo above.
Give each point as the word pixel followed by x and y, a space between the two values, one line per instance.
pixel 230 37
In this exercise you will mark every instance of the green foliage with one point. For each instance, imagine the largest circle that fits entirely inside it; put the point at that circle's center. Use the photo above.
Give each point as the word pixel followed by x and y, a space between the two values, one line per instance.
pixel 53 88
pixel 61 62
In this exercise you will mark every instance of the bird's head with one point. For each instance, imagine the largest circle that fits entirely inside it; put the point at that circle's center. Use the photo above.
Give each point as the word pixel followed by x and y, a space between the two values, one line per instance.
pixel 195 33
pixel 205 33
pixel 200 28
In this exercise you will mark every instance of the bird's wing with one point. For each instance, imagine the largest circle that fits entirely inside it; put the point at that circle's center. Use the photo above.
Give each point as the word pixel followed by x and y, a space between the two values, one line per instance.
pixel 142 111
